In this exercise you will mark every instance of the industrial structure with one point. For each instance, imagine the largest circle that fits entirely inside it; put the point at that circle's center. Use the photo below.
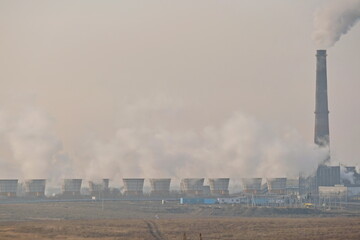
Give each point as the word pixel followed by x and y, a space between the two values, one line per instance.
pixel 251 185
pixel 99 188
pixel 35 187
pixel 292 186
pixel 160 186
pixel 8 187
pixel 327 175
pixel 326 184
pixel 71 187
pixel 219 186
pixel 276 185
pixel 192 186
pixel 133 186
pixel 321 136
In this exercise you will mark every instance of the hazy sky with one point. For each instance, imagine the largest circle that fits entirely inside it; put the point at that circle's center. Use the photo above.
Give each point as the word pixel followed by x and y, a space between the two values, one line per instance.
pixel 94 67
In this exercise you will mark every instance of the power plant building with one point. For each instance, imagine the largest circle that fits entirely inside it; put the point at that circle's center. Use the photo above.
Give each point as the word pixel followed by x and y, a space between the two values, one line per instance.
pixel 292 186
pixel 219 186
pixel 8 187
pixel 133 186
pixel 251 185
pixel 327 175
pixel 160 186
pixel 35 187
pixel 276 185
pixel 99 188
pixel 192 186
pixel 71 187
pixel 334 192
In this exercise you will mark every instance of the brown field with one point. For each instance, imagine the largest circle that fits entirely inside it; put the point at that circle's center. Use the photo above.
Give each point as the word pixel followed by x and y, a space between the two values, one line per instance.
pixel 154 221
pixel 225 229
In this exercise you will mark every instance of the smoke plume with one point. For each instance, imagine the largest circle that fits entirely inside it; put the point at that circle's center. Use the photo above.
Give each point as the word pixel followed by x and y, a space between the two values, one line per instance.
pixel 30 146
pixel 241 146
pixel 335 20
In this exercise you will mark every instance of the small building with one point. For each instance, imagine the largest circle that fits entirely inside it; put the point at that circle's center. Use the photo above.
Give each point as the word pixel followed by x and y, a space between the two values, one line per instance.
pixel 333 192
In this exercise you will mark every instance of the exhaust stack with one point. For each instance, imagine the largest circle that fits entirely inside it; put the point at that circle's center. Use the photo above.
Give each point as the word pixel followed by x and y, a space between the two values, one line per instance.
pixel 321 136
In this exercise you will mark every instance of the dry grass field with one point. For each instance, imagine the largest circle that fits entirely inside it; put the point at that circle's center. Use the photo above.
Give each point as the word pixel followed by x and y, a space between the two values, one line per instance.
pixel 154 221
pixel 148 210
pixel 211 228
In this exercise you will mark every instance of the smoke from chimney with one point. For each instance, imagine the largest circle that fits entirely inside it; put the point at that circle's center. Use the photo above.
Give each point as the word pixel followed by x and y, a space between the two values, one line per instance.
pixel 335 20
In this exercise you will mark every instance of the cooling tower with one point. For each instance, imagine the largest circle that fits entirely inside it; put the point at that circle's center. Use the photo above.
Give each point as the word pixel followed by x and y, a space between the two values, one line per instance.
pixel 192 186
pixel 219 186
pixel 71 187
pixel 35 187
pixel 321 136
pixel 133 186
pixel 8 187
pixel 99 187
pixel 276 185
pixel 251 185
pixel 160 186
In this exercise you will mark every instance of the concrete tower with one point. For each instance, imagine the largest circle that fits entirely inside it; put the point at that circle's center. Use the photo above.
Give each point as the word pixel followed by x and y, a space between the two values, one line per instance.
pixel 321 136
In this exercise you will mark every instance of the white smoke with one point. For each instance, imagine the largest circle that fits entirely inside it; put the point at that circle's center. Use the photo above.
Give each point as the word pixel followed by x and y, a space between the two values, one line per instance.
pixel 30 146
pixel 240 147
pixel 335 20
pixel 347 175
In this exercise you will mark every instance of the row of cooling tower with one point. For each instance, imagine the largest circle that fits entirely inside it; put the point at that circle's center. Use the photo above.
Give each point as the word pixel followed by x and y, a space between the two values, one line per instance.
pixel 161 186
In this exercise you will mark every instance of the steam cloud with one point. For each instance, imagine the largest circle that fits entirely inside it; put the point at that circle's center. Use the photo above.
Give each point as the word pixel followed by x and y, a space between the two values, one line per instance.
pixel 239 147
pixel 335 20
pixel 30 146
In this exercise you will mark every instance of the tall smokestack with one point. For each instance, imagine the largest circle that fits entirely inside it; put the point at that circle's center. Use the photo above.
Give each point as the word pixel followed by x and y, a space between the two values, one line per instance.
pixel 321 136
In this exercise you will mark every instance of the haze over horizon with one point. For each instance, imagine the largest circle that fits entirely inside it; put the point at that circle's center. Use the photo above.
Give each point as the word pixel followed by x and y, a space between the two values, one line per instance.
pixel 128 88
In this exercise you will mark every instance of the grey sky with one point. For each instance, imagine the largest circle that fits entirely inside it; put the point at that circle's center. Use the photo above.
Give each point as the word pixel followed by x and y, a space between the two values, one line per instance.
pixel 96 66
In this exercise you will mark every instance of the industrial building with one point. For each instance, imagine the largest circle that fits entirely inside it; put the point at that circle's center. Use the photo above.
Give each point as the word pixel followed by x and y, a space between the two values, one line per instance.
pixel 327 175
pixel 8 187
pixel 251 185
pixel 35 187
pixel 160 186
pixel 71 187
pixel 99 188
pixel 276 185
pixel 292 186
pixel 192 186
pixel 219 186
pixel 133 186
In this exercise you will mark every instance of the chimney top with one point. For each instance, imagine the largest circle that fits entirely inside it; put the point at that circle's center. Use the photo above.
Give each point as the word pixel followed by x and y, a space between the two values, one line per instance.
pixel 321 52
